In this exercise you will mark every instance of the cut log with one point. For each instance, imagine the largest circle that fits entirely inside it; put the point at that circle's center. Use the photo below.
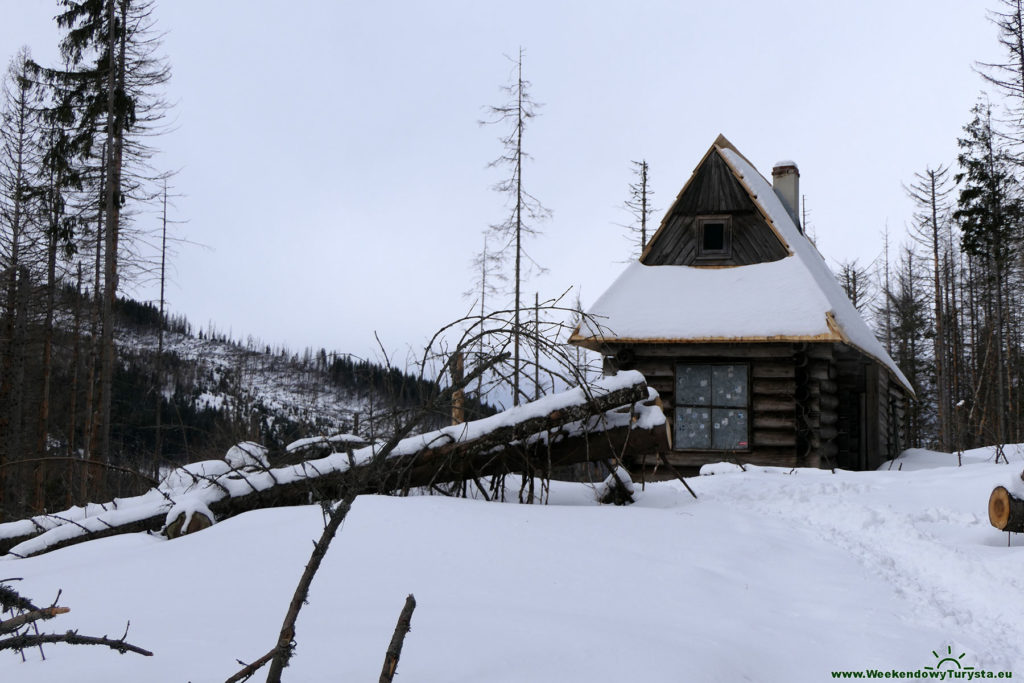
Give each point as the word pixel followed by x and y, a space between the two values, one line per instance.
pixel 1006 511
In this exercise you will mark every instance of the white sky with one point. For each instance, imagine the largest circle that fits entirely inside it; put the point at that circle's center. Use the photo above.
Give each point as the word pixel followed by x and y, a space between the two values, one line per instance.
pixel 331 161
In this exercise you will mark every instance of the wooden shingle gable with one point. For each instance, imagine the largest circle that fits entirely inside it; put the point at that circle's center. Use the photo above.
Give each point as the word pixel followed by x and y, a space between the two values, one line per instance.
pixel 714 195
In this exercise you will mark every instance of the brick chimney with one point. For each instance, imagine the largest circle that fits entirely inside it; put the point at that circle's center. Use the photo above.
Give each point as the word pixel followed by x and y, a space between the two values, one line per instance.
pixel 786 183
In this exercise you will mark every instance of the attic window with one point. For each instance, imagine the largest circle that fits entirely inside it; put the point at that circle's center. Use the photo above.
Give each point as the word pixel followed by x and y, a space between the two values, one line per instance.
pixel 711 407
pixel 714 237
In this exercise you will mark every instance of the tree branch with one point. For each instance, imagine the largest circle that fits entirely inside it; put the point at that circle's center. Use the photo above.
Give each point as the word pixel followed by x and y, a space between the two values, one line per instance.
pixel 71 638
pixel 404 625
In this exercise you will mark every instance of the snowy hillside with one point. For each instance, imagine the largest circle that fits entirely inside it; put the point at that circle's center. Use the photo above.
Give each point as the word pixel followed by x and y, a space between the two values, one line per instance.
pixel 772 575
pixel 231 375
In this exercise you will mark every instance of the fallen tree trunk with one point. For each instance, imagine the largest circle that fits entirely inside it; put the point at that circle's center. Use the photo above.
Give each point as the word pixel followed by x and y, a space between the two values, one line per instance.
pixel 1006 511
pixel 556 430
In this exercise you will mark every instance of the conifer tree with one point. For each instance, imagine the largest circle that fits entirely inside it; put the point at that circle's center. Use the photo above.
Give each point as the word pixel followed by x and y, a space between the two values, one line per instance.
pixel 989 212
pixel 107 96
pixel 1008 75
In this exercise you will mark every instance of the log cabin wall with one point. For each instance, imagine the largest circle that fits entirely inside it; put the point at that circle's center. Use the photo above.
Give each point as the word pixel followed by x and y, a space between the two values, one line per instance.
pixel 792 418
pixel 810 404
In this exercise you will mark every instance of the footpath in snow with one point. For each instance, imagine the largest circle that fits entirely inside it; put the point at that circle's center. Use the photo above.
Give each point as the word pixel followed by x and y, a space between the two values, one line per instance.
pixel 771 575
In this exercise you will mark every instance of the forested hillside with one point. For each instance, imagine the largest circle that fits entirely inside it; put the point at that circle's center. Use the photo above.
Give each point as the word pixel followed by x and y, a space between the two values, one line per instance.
pixel 213 392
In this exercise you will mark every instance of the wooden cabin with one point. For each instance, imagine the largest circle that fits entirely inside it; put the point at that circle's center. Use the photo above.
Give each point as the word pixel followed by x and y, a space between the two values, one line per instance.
pixel 734 317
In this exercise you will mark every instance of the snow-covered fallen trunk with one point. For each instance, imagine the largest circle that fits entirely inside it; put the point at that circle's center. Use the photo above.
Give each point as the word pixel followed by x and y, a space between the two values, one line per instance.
pixel 578 424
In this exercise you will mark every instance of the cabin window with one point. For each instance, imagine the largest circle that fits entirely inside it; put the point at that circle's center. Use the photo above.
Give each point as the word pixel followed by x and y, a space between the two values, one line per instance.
pixel 711 407
pixel 714 237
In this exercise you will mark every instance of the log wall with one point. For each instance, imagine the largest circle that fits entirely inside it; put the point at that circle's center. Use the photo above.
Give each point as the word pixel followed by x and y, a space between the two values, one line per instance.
pixel 772 415
pixel 811 404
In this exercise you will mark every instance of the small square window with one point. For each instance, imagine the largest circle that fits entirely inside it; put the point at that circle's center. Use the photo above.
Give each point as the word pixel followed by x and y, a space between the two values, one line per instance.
pixel 714 237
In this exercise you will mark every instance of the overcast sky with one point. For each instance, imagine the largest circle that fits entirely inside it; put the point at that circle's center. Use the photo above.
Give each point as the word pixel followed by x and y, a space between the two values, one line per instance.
pixel 331 161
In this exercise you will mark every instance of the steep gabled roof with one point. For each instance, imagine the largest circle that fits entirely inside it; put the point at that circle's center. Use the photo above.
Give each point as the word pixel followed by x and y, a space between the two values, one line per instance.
pixel 793 299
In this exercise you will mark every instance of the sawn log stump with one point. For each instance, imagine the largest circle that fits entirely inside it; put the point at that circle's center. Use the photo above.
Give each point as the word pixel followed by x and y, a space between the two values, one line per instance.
pixel 1006 511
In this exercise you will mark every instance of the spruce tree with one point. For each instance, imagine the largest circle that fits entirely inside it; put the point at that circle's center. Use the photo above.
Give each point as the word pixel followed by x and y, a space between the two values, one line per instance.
pixel 107 96
pixel 989 210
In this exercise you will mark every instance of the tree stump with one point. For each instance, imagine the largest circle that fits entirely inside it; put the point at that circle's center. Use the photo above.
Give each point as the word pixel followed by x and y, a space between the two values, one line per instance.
pixel 1006 511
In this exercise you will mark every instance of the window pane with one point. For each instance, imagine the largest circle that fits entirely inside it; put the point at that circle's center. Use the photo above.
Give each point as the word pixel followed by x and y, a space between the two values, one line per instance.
pixel 728 429
pixel 729 383
pixel 714 236
pixel 693 385
pixel 692 428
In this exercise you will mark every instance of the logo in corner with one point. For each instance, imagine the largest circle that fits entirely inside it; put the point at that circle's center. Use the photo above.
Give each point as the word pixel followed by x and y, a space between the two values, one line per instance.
pixel 949 661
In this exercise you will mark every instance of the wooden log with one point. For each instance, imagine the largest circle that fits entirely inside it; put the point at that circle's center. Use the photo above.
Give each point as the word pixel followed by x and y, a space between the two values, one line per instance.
pixel 772 371
pixel 764 404
pixel 773 438
pixel 1006 511
pixel 774 421
pixel 655 367
pixel 773 387
pixel 828 386
pixel 819 351
pixel 663 385
pixel 769 457
pixel 738 351
pixel 821 370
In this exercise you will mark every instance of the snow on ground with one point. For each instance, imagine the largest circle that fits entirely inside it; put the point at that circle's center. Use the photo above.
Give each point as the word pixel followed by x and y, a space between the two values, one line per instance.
pixel 772 575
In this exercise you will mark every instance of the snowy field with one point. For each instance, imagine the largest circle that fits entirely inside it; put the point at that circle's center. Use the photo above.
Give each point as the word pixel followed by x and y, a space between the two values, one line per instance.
pixel 772 575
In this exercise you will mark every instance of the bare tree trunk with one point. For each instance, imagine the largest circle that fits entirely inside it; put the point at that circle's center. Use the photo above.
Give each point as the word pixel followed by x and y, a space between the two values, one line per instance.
pixel 942 398
pixel 112 206
pixel 75 370
pixel 44 403
pixel 518 227
pixel 90 427
pixel 160 336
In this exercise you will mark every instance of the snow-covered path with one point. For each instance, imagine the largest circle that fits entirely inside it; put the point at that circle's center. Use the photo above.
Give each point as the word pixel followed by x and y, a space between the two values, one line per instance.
pixel 769 576
pixel 930 540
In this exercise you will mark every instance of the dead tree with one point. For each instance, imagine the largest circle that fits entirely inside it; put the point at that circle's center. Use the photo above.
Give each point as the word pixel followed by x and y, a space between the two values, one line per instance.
pixel 20 631
pixel 527 210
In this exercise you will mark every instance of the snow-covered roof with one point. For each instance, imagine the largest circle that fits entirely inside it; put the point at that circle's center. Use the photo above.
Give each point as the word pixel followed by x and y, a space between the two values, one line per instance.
pixel 793 299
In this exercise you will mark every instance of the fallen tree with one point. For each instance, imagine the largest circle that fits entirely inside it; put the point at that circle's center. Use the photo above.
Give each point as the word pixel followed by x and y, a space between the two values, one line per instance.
pixel 594 423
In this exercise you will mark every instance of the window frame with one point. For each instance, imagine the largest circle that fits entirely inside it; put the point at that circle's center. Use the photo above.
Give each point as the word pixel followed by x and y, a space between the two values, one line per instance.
pixel 711 405
pixel 714 254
